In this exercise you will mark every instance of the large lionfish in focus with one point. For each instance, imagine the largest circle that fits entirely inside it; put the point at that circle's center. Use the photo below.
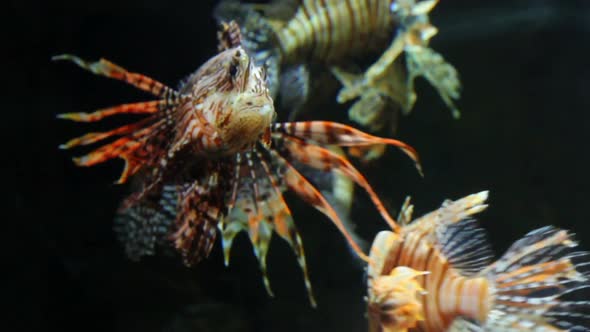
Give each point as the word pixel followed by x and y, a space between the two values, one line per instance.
pixel 436 274
pixel 288 36
pixel 209 157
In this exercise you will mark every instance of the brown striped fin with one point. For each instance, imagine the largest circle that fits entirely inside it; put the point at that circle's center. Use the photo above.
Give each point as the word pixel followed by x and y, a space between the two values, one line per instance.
pixel 256 205
pixel 332 133
pixel 278 215
pixel 326 160
pixel 306 191
pixel 106 68
pixel 141 143
pixel 199 210
pixel 148 107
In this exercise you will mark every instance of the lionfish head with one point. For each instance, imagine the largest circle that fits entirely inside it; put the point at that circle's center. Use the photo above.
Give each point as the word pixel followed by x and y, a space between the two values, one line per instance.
pixel 242 108
pixel 394 300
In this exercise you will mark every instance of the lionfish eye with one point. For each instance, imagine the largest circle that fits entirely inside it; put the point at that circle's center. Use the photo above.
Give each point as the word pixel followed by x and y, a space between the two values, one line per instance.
pixel 233 69
pixel 235 63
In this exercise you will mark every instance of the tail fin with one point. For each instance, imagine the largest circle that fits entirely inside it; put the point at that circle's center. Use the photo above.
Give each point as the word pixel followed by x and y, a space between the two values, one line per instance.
pixel 259 37
pixel 139 143
pixel 541 283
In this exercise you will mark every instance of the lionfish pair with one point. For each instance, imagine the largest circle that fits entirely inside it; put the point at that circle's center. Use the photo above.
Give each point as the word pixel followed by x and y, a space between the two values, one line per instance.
pixel 210 158
pixel 292 37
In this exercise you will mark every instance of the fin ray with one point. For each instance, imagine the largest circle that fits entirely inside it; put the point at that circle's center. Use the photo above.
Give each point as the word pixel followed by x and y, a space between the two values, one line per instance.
pixel 331 133
pixel 147 107
pixel 324 159
pixel 465 246
pixel 306 191
pixel 539 284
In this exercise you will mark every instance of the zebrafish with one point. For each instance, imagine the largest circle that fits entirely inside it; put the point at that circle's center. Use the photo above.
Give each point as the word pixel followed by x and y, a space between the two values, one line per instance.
pixel 209 158
pixel 436 274
pixel 288 36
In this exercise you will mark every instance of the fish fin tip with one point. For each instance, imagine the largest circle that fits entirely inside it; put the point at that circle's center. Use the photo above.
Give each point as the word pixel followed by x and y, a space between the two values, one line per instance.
pixel 79 161
pixel 313 302
pixel 62 57
pixel 78 117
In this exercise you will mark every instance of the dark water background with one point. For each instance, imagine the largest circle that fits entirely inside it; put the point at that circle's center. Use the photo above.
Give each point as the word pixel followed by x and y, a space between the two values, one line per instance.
pixel 523 135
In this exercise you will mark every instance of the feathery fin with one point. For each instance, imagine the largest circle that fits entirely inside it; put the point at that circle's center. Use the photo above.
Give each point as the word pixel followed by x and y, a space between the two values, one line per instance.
pixel 331 133
pixel 324 159
pixel 539 284
pixel 139 143
pixel 305 190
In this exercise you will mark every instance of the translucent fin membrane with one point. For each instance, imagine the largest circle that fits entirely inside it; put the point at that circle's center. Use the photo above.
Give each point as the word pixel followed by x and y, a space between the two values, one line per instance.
pixel 541 282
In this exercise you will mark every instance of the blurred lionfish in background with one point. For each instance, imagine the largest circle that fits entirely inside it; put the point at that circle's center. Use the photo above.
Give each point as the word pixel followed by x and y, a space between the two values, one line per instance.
pixel 209 157
pixel 288 36
pixel 436 274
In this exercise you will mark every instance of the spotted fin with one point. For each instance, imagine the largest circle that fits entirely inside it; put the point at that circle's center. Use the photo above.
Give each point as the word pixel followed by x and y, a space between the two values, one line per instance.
pixel 200 205
pixel 256 205
pixel 140 143
pixel 145 226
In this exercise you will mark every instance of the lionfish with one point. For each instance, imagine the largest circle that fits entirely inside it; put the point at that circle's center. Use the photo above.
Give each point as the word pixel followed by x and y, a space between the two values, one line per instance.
pixel 436 274
pixel 290 35
pixel 209 158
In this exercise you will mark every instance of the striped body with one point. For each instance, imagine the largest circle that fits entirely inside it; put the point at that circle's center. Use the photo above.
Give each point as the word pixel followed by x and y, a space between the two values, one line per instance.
pixel 448 293
pixel 332 30
pixel 291 37
pixel 455 287
pixel 208 159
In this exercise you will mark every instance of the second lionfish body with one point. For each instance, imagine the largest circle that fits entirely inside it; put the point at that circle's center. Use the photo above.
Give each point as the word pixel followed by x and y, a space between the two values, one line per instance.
pixel 294 34
pixel 209 158
pixel 436 274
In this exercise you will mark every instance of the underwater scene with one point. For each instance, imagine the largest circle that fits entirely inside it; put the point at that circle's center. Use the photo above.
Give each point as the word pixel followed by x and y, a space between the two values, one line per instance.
pixel 308 165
